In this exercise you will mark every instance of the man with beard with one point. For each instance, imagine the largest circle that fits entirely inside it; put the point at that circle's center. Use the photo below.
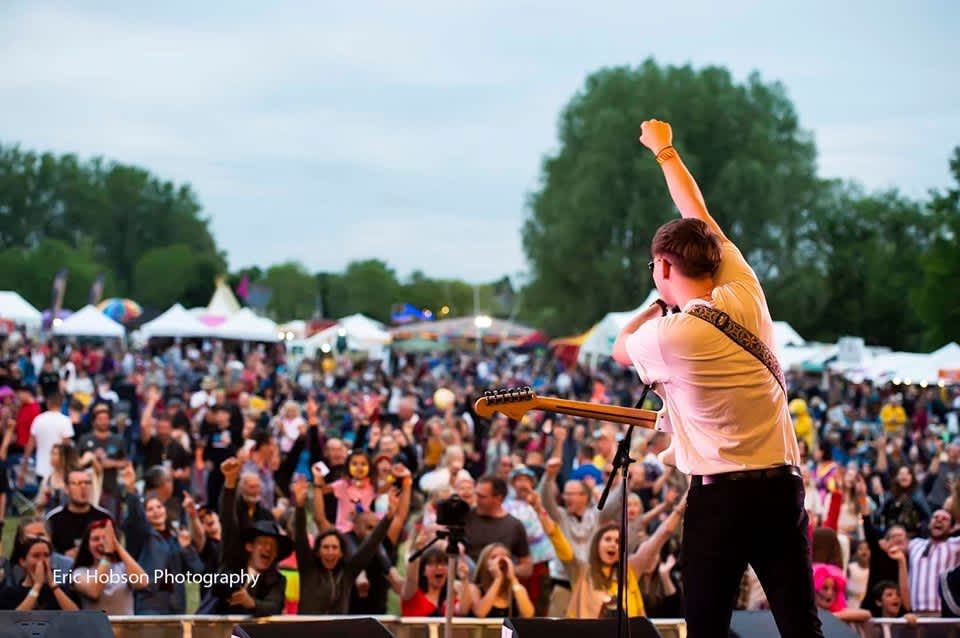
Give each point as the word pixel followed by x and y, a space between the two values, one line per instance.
pixel 249 503
pixel 930 557
pixel 254 551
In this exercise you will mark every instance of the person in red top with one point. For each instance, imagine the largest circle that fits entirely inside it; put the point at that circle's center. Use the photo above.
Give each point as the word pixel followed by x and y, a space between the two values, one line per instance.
pixel 425 590
pixel 29 409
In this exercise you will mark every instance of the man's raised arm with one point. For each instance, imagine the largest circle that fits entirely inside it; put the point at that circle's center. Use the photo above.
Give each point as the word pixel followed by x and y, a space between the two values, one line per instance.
pixel 658 137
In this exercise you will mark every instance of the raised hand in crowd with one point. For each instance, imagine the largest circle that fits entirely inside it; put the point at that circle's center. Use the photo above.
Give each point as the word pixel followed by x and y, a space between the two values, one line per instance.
pixel 231 472
pixel 298 491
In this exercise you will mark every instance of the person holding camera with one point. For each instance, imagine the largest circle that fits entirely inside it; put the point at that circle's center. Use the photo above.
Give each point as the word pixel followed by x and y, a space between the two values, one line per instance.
pixel 255 549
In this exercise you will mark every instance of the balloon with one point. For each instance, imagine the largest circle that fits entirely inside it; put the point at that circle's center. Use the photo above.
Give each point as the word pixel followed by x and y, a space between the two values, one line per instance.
pixel 443 398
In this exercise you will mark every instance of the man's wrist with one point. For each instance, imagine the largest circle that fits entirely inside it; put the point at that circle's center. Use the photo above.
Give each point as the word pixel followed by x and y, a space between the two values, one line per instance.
pixel 665 154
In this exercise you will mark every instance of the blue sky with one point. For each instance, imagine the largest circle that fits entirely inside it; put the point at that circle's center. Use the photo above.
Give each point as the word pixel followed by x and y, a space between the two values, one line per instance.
pixel 413 131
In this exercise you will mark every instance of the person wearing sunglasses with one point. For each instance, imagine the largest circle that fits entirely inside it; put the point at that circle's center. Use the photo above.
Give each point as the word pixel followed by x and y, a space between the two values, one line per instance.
pixel 725 404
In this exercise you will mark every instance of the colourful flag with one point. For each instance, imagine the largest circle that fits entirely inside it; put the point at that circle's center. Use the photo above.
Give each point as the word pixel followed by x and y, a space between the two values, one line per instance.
pixel 243 288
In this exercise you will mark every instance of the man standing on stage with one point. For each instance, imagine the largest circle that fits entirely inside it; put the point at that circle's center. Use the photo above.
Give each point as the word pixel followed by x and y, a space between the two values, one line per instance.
pixel 726 408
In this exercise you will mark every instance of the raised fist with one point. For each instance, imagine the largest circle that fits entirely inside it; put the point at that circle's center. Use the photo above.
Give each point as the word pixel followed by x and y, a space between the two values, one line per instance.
pixel 656 135
pixel 230 468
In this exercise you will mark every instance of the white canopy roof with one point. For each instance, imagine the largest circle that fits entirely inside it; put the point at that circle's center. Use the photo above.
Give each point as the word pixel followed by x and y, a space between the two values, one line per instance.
pixel 362 334
pixel 604 333
pixel 89 322
pixel 175 322
pixel 785 335
pixel 245 325
pixel 913 367
pixel 14 307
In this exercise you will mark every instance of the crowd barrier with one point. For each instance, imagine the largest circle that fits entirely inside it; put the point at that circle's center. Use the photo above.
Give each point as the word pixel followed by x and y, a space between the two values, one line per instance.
pixel 405 627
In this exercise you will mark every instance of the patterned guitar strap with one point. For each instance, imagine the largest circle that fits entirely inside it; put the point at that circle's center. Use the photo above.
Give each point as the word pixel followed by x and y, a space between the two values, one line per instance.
pixel 742 337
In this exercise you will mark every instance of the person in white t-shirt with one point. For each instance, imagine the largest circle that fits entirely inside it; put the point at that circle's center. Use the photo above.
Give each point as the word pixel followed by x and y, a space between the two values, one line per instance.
pixel 48 429
pixel 727 414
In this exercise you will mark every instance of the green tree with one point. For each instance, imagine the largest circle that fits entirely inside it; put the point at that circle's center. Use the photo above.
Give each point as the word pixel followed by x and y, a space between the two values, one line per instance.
pixel 31 272
pixel 936 296
pixel 369 287
pixel 112 213
pixel 294 291
pixel 174 273
pixel 866 250
pixel 602 196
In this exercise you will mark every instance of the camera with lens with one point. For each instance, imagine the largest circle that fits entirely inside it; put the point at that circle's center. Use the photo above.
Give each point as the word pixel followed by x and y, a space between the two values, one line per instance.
pixel 452 512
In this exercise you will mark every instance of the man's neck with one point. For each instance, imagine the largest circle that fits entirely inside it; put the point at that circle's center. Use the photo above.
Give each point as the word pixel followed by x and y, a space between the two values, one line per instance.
pixel 78 509
pixel 693 289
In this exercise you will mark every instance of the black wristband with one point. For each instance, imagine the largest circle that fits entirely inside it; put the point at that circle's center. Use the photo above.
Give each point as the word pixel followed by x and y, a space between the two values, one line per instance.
pixel 663 306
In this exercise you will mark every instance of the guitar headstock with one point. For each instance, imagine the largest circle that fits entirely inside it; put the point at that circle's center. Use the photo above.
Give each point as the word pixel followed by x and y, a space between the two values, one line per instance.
pixel 514 402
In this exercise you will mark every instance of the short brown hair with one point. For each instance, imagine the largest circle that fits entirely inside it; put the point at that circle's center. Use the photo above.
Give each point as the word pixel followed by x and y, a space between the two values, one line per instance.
pixel 688 244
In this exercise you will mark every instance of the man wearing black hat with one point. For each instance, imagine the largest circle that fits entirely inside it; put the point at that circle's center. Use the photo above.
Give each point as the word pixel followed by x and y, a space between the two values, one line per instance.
pixel 253 552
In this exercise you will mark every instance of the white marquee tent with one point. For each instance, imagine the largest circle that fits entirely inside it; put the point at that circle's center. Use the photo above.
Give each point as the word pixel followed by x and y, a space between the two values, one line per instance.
pixel 245 325
pixel 14 307
pixel 176 322
pixel 362 333
pixel 89 322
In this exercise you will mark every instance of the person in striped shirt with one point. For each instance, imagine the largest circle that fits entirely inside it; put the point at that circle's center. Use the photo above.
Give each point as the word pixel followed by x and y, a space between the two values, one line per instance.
pixel 929 557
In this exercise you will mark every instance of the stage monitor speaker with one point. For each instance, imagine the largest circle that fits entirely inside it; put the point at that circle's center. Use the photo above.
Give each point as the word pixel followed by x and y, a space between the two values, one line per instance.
pixel 760 624
pixel 352 627
pixel 577 628
pixel 54 624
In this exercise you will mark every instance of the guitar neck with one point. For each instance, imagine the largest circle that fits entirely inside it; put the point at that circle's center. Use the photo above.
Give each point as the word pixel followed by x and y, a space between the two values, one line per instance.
pixel 583 409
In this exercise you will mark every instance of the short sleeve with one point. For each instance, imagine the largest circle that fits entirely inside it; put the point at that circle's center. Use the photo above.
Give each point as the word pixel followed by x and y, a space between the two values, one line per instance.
pixel 643 346
pixel 67 430
pixel 734 267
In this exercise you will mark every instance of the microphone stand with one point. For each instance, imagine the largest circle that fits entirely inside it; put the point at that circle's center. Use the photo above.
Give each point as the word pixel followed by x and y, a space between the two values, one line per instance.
pixel 622 461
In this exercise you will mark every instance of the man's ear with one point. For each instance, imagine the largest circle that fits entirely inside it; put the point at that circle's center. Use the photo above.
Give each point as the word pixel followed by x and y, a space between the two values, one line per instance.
pixel 248 547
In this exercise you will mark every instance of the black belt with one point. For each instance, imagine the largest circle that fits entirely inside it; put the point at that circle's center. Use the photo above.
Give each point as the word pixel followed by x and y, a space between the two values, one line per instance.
pixel 556 582
pixel 748 475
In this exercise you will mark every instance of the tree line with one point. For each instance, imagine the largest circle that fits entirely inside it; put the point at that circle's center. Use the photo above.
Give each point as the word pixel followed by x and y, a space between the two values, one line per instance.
pixel 834 259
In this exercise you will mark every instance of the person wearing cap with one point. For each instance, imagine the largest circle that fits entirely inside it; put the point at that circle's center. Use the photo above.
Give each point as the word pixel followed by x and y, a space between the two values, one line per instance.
pixel 254 551
pixel 522 505
pixel 110 451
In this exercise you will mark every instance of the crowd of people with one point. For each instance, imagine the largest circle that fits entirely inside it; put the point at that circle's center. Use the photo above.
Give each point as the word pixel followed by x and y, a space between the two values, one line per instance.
pixel 304 489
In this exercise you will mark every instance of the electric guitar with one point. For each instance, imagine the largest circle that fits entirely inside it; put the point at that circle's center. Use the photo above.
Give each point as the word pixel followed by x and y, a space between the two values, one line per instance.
pixel 515 402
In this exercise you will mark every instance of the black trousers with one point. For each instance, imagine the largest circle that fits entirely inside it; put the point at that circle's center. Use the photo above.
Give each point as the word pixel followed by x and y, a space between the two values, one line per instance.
pixel 732 523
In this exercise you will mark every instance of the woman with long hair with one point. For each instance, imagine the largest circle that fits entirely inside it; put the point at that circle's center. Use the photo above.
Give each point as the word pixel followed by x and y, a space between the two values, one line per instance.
pixel 38 590
pixel 495 591
pixel 425 589
pixel 154 544
pixel 594 593
pixel 903 508
pixel 327 570
pixel 105 574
